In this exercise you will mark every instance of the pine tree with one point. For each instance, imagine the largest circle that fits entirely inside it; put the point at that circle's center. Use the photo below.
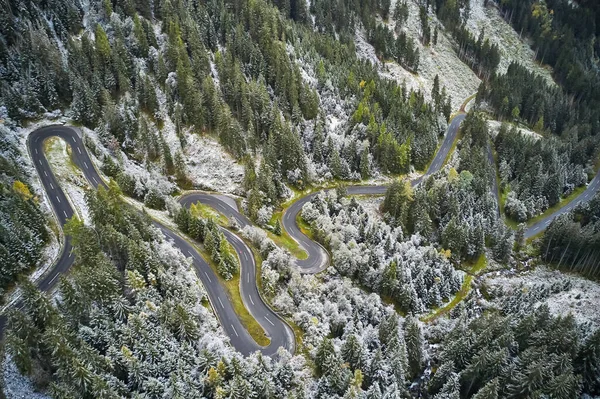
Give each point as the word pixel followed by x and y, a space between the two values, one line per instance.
pixel 335 164
pixel 140 37
pixel 352 353
pixel 277 228
pixel 325 358
pixel 180 170
pixel 414 345
pixel 587 363
pixel 441 376
pixel 435 92
pixel 489 391
pixel 365 167
pixel 398 198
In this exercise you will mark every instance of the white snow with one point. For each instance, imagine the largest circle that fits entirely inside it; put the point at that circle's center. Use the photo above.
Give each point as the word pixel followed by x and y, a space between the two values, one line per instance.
pixel 210 167
pixel 512 47
pixel 371 206
pixel 582 298
pixel 460 81
pixel 495 128
pixel 16 386
pixel 363 49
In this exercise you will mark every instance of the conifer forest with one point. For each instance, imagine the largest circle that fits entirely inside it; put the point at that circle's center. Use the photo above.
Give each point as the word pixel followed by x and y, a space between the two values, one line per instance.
pixel 261 199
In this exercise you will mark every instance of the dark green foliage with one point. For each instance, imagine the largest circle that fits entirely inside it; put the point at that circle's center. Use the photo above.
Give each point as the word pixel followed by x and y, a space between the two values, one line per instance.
pixel 529 355
pixel 277 228
pixel 154 200
pixel 398 200
pixel 23 231
pixel 538 172
pixel 34 79
pixel 119 306
pixel 209 233
pixel 564 36
pixel 414 345
pixel 571 241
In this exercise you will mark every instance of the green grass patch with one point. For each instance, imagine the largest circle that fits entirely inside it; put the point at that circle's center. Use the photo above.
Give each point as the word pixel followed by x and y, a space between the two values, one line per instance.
pixel 232 289
pixel 305 227
pixel 478 265
pixel 206 212
pixel 285 240
pixel 51 148
pixel 460 295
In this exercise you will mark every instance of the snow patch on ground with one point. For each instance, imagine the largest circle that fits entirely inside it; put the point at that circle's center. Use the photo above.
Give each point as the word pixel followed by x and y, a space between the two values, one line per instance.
pixel 512 47
pixel 16 386
pixel 210 167
pixel 371 206
pixel 582 298
pixel 441 60
pixel 495 128
pixel 364 50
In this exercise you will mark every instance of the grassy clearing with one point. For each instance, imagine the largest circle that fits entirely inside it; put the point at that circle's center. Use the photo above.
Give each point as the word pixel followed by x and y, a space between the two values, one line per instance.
pixel 305 227
pixel 52 150
pixel 205 212
pixel 478 265
pixel 285 240
pixel 472 270
pixel 460 295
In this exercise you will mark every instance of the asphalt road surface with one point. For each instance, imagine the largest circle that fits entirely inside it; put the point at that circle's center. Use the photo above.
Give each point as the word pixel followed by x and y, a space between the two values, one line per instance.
pixel 318 258
pixel 279 332
pixel 587 195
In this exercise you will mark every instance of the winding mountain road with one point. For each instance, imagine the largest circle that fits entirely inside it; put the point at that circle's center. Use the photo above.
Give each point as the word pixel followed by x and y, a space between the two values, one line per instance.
pixel 278 331
pixel 318 258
